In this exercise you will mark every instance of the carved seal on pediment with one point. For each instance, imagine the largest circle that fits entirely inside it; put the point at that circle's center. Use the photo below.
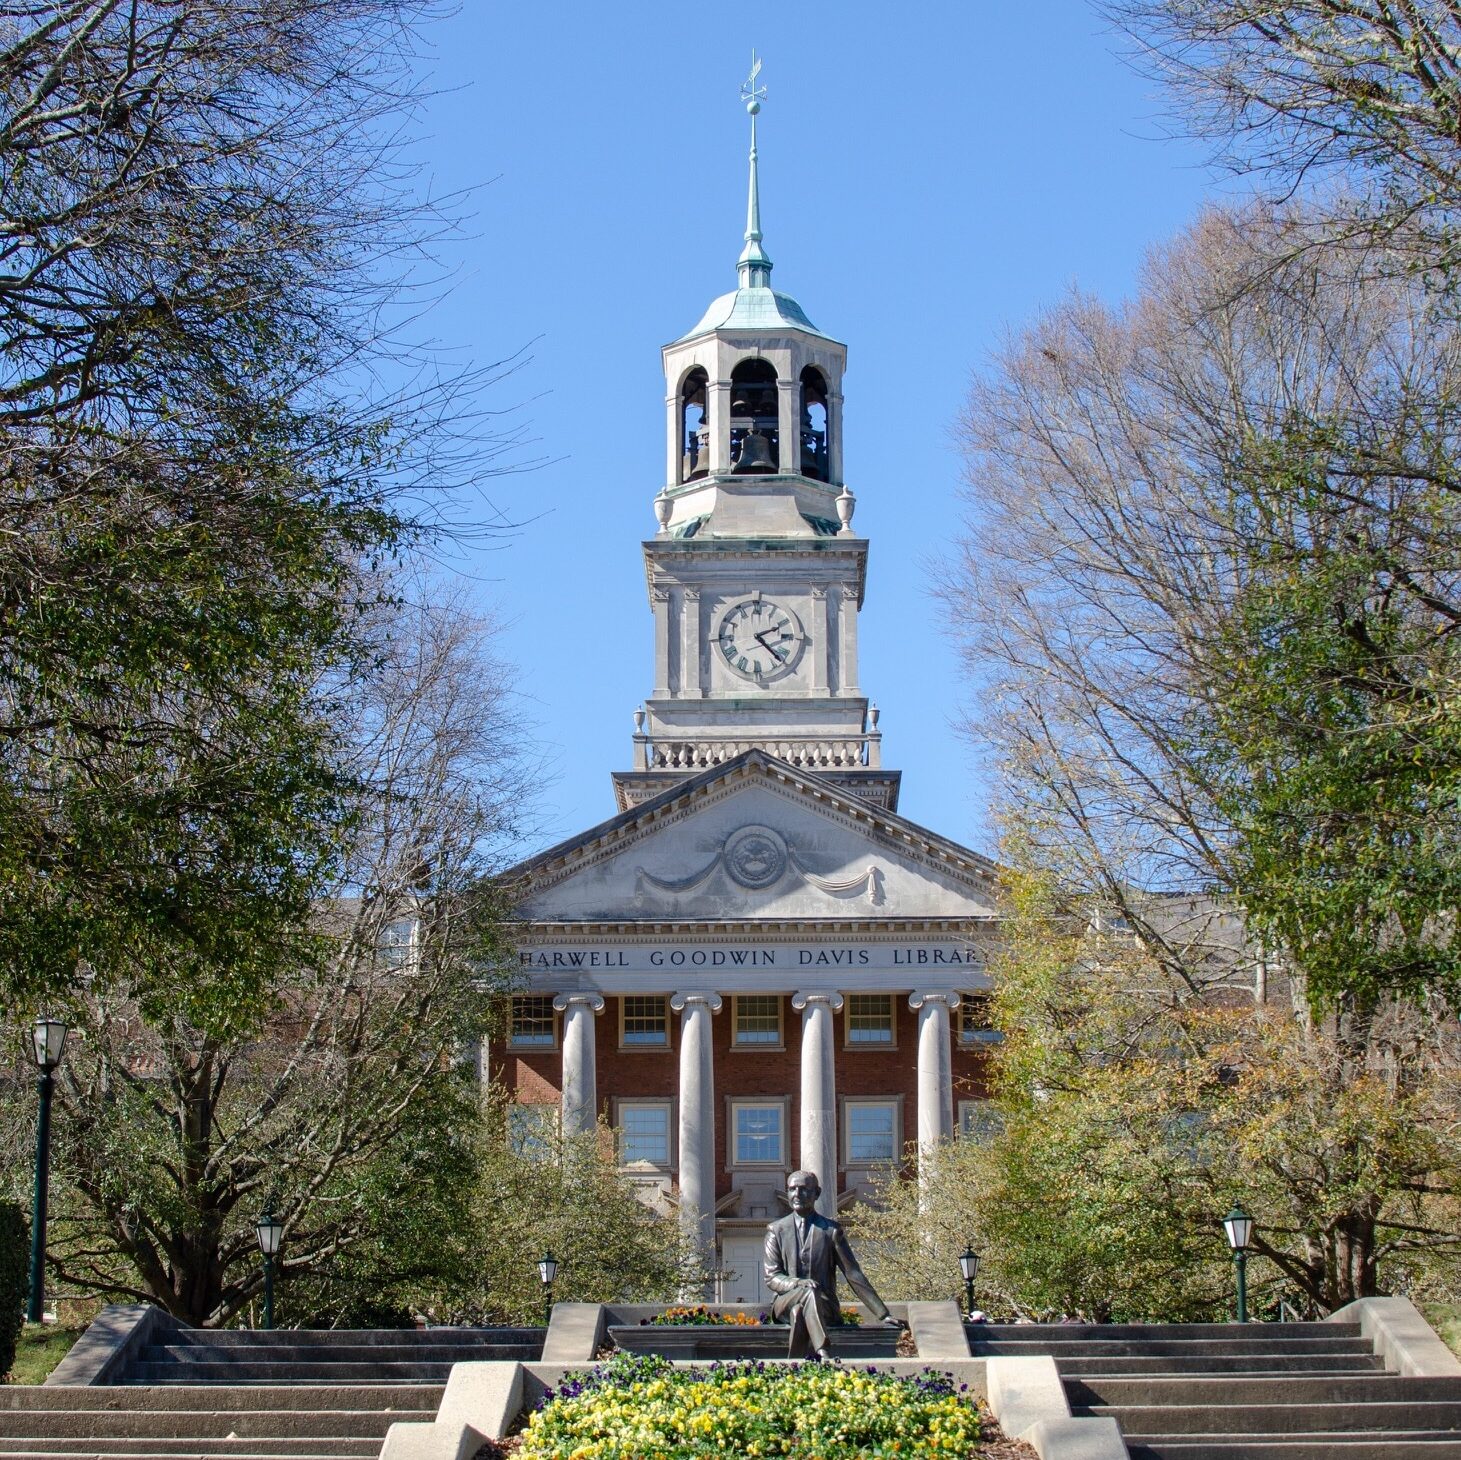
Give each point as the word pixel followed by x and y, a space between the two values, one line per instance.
pixel 755 857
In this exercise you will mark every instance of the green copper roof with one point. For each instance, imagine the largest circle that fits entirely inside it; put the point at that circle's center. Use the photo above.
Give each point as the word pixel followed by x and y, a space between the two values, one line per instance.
pixel 754 309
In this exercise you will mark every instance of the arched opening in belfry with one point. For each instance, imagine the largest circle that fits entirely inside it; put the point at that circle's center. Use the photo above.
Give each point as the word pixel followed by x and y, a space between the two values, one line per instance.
pixel 694 426
pixel 815 426
pixel 754 416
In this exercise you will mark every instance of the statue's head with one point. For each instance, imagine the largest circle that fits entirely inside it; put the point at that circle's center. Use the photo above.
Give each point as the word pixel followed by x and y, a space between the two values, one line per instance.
pixel 802 1191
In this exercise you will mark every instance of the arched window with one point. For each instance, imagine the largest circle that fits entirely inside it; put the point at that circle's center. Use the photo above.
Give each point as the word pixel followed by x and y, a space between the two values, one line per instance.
pixel 754 416
pixel 694 427
pixel 814 426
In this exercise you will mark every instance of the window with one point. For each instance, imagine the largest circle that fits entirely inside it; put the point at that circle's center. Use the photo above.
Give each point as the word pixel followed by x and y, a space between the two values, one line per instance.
pixel 870 1019
pixel 978 1120
pixel 870 1131
pixel 758 1021
pixel 644 1021
pixel 644 1132
pixel 531 1130
pixel 975 1021
pixel 758 1133
pixel 533 1024
pixel 393 947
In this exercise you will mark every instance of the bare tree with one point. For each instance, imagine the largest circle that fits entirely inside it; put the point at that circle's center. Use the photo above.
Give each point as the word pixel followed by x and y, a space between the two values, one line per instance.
pixel 1364 95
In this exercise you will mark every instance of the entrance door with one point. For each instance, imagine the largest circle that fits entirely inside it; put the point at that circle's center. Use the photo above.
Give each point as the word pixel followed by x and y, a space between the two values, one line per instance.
pixel 742 1281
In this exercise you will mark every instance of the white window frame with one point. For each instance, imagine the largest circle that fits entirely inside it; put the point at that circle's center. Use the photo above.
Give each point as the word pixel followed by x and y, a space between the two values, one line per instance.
pixel 891 1102
pixel 540 1045
pixel 848 1042
pixel 668 1105
pixel 968 1118
pixel 394 951
pixel 973 1038
pixel 735 1104
pixel 631 1046
pixel 758 1046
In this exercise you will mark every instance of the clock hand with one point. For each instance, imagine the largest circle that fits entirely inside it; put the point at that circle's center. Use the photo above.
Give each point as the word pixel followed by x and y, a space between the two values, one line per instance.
pixel 760 637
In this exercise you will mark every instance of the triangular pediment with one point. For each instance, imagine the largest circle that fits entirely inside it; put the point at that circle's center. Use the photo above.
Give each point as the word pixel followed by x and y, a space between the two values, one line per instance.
pixel 756 839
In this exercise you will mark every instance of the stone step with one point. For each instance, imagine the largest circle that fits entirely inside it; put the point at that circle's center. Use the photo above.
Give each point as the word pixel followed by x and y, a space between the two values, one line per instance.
pixel 350 1337
pixel 1298 1420
pixel 1180 1366
pixel 1242 1390
pixel 1278 1347
pixel 1108 1332
pixel 199 1453
pixel 1384 1445
pixel 197 1424
pixel 363 1448
pixel 403 1401
pixel 443 1353
pixel 250 1371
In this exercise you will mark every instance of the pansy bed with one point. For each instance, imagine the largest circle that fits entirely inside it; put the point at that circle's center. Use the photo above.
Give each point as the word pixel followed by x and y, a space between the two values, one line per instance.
pixel 640 1407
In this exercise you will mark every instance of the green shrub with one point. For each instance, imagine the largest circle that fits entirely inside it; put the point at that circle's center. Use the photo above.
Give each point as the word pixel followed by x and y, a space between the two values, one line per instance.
pixel 14 1261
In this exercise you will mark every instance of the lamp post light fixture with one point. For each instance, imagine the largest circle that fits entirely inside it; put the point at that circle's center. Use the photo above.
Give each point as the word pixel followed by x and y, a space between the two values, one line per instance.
pixel 547 1271
pixel 969 1268
pixel 1239 1227
pixel 48 1044
pixel 270 1232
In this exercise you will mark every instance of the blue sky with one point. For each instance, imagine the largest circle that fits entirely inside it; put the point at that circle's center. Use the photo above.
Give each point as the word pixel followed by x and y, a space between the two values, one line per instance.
pixel 932 174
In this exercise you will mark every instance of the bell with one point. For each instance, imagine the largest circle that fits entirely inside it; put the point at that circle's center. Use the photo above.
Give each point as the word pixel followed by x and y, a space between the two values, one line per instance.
pixel 755 454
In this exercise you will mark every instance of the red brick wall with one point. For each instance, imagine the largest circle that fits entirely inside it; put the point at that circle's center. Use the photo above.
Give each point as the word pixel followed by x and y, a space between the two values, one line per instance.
pixel 647 1074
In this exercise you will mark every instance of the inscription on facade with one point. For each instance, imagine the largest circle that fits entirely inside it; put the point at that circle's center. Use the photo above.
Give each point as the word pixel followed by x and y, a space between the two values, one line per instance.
pixel 944 955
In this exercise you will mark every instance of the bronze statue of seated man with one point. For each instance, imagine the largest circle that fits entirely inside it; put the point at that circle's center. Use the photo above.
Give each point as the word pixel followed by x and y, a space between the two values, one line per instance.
pixel 803 1253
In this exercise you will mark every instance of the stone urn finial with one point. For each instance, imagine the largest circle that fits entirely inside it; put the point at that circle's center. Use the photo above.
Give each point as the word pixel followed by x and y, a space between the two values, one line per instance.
pixel 846 505
pixel 662 507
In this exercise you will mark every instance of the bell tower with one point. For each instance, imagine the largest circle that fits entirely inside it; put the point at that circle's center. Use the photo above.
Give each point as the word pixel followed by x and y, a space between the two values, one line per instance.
pixel 755 576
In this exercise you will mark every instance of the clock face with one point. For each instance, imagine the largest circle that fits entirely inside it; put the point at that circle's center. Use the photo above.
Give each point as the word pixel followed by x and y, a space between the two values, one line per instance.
pixel 758 639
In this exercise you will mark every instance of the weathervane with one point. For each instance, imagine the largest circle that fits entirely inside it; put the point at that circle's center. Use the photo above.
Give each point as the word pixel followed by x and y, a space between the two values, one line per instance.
pixel 752 94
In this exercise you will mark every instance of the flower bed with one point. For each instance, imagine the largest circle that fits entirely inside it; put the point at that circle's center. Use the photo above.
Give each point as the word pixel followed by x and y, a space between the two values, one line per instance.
pixel 639 1407
pixel 703 1317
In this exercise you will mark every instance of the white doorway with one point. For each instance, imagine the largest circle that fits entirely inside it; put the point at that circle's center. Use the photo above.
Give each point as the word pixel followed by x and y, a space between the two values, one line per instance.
pixel 743 1280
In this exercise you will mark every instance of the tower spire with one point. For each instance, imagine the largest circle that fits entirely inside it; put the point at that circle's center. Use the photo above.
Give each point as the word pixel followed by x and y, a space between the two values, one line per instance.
pixel 754 267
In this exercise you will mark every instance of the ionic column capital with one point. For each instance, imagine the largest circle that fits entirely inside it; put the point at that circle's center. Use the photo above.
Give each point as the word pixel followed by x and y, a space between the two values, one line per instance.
pixel 678 1002
pixel 919 997
pixel 803 997
pixel 595 1002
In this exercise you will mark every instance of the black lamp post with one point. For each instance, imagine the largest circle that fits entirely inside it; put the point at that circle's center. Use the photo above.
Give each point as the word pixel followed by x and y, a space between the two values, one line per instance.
pixel 969 1267
pixel 547 1271
pixel 270 1231
pixel 48 1039
pixel 1239 1227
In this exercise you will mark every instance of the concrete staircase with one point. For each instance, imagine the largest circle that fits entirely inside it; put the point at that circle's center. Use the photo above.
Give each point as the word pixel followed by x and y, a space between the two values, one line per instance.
pixel 1227 1391
pixel 254 1422
pixel 197 1356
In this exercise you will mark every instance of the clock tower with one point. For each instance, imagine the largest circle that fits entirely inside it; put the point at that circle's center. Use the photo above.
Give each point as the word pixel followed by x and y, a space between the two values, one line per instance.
pixel 755 576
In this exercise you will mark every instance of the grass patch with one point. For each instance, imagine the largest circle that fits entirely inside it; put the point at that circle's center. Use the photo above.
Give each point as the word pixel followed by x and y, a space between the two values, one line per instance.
pixel 40 1347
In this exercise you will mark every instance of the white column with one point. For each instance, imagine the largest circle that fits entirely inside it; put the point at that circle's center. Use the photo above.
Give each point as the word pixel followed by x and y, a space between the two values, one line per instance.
pixel 788 425
pixel 935 1068
pixel 580 1075
pixel 819 1091
pixel 820 636
pixel 674 440
pixel 697 1116
pixel 717 406
pixel 847 640
pixel 660 602
pixel 690 686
